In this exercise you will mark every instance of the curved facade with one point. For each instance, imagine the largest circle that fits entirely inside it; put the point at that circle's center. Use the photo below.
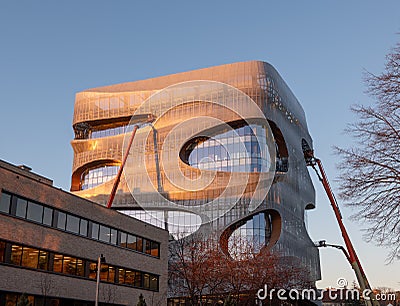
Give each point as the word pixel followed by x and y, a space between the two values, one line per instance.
pixel 192 174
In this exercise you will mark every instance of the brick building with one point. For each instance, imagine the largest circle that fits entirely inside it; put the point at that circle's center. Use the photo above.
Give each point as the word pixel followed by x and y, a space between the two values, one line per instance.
pixel 50 241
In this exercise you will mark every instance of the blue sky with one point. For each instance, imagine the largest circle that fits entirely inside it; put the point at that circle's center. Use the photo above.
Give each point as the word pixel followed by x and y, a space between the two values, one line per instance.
pixel 50 50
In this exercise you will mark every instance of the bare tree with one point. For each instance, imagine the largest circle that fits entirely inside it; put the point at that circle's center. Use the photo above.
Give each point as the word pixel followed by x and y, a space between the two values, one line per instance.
pixel 109 293
pixel 203 274
pixel 46 287
pixel 188 267
pixel 370 170
pixel 158 299
pixel 252 267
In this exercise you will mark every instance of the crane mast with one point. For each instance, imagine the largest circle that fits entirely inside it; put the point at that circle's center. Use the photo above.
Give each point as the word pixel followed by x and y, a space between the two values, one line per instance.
pixel 352 257
pixel 150 119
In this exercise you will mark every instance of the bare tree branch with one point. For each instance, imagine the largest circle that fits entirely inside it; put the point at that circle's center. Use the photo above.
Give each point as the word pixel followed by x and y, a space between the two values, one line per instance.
pixel 370 170
pixel 200 271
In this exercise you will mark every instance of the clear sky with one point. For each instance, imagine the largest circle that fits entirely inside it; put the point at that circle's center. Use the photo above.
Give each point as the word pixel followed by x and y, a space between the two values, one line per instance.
pixel 49 50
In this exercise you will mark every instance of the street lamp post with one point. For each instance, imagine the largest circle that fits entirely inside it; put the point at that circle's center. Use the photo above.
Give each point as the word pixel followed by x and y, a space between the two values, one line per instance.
pixel 100 260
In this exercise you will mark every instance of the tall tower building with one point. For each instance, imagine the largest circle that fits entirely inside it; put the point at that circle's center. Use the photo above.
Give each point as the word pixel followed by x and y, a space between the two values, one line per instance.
pixel 223 156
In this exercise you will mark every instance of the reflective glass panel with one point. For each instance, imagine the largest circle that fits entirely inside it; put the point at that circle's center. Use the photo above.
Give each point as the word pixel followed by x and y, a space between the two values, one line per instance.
pixel 180 223
pixel 95 176
pixel 21 208
pixel 139 244
pixel 241 150
pixel 155 249
pixel 72 224
pixel 104 233
pixel 131 242
pixel 115 130
pixel 123 239
pixel 5 203
pixel 35 212
pixel 251 236
pixel 47 216
pixel 83 227
pixel 147 245
pixel 95 230
pixel 114 236
pixel 61 220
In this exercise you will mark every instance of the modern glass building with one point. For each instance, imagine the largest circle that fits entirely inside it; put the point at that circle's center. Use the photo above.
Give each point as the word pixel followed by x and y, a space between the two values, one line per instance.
pixel 221 156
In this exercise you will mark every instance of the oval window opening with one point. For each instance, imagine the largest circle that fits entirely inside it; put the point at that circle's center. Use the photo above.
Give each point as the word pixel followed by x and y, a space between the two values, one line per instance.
pixel 243 148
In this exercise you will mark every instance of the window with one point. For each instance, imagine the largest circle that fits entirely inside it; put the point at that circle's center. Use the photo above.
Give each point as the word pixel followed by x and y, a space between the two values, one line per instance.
pixel 5 203
pixel 123 240
pixel 131 242
pixel 58 263
pixel 53 217
pixel 129 277
pixel 104 233
pixel 139 244
pixel 98 175
pixel 80 267
pixel 253 233
pixel 121 276
pixel 116 130
pixel 83 227
pixel 147 246
pixel 243 149
pixel 43 260
pixel 11 299
pixel 104 272
pixel 93 270
pixel 138 279
pixel 72 224
pixel 21 208
pixel 153 282
pixel 47 216
pixel 69 265
pixel 35 212
pixel 114 234
pixel 155 249
pixel 16 254
pixel 2 251
pixel 62 218
pixel 111 274
pixel 95 230
pixel 146 280
pixel 30 257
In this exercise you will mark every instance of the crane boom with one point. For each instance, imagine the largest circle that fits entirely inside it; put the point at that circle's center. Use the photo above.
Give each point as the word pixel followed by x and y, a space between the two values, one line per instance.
pixel 150 118
pixel 311 161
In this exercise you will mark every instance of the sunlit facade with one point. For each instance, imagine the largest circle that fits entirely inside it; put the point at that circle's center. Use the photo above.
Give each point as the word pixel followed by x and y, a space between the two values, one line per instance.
pixel 235 152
